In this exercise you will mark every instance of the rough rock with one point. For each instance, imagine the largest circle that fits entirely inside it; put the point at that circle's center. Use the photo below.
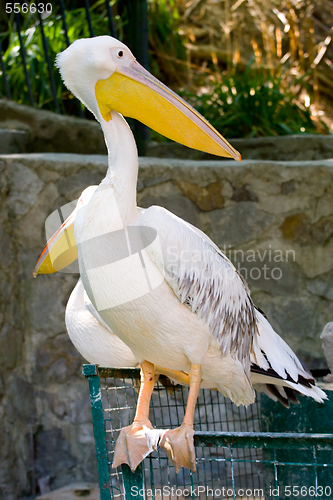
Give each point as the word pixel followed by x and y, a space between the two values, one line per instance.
pixel 25 186
pixel 46 131
pixel 75 491
pixel 239 223
pixel 13 141
pixel 327 340
pixel 322 286
pixel 298 228
pixel 243 193
pixel 207 197
pixel 268 271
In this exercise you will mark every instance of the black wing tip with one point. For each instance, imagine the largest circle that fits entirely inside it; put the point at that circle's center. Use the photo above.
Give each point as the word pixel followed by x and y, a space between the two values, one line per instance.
pixel 273 390
pixel 285 401
pixel 292 395
pixel 261 311
pixel 270 372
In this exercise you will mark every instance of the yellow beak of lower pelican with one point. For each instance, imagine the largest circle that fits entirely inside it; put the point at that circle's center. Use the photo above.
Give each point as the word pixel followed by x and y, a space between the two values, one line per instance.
pixel 134 92
pixel 60 251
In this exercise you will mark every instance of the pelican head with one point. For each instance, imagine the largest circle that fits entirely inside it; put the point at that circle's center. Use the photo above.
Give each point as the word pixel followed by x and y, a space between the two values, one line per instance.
pixel 103 73
pixel 88 60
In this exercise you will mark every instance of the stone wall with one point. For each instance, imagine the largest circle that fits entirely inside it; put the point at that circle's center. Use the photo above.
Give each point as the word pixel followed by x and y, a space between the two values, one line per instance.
pixel 273 219
pixel 24 129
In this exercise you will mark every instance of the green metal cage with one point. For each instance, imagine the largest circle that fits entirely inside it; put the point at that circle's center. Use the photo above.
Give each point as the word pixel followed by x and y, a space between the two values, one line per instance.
pixel 236 459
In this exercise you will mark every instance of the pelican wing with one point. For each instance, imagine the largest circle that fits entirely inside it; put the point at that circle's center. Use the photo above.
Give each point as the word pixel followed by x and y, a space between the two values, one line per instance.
pixel 204 280
pixel 277 368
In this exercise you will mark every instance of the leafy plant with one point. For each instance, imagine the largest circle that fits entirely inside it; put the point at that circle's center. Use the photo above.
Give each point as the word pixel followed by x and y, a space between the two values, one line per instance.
pixel 76 21
pixel 167 48
pixel 251 103
pixel 242 101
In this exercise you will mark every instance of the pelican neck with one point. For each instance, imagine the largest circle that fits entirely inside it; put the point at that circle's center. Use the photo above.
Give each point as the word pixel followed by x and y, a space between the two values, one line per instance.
pixel 122 150
pixel 123 163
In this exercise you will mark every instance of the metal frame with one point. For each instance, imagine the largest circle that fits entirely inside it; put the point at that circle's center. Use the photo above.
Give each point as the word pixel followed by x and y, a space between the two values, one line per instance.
pixel 270 443
pixel 91 373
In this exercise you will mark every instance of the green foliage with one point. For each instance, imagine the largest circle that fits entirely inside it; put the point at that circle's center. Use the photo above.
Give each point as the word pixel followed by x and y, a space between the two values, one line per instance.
pixel 251 103
pixel 77 25
pixel 166 44
pixel 248 103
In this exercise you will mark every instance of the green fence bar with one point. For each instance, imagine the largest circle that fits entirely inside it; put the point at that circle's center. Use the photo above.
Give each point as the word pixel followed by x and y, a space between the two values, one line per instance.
pixel 265 440
pixel 133 482
pixel 298 458
pixel 91 373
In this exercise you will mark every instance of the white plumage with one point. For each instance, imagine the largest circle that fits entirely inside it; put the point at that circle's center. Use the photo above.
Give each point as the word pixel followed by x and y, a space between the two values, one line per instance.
pixel 274 366
pixel 96 342
pixel 176 337
pixel 91 336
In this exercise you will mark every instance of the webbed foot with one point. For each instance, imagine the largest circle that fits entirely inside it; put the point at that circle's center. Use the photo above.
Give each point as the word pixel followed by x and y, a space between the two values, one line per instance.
pixel 178 444
pixel 134 444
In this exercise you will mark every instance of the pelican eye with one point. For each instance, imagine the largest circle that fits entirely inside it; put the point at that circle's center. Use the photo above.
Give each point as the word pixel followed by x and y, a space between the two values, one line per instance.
pixel 120 54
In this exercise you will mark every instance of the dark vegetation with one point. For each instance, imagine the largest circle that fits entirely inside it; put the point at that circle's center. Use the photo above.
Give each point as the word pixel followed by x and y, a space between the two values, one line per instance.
pixel 251 70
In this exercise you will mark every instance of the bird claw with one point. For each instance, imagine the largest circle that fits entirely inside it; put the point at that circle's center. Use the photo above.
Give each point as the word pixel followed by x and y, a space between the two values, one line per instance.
pixel 135 442
pixel 178 444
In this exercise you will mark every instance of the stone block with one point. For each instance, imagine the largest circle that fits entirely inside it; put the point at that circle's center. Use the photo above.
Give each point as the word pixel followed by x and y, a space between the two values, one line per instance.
pixel 49 131
pixel 53 455
pixel 58 360
pixel 24 187
pixel 73 492
pixel 207 197
pixel 239 223
pixel 13 141
pixel 298 228
pixel 327 340
pixel 264 274
pixel 322 286
pixel 179 205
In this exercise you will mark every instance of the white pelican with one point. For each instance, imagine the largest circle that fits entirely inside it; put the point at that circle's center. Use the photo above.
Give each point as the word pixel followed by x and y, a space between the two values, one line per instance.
pixel 274 367
pixel 96 342
pixel 141 270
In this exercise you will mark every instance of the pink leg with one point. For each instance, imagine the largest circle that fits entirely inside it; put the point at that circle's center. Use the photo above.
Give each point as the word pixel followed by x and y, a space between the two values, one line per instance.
pixel 132 445
pixel 178 443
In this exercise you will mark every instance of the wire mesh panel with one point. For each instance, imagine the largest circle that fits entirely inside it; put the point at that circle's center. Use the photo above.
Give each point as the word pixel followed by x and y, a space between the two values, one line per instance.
pixel 234 459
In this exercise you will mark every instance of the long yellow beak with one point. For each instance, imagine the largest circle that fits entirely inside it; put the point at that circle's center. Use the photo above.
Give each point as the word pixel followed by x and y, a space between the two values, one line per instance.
pixel 59 252
pixel 134 92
